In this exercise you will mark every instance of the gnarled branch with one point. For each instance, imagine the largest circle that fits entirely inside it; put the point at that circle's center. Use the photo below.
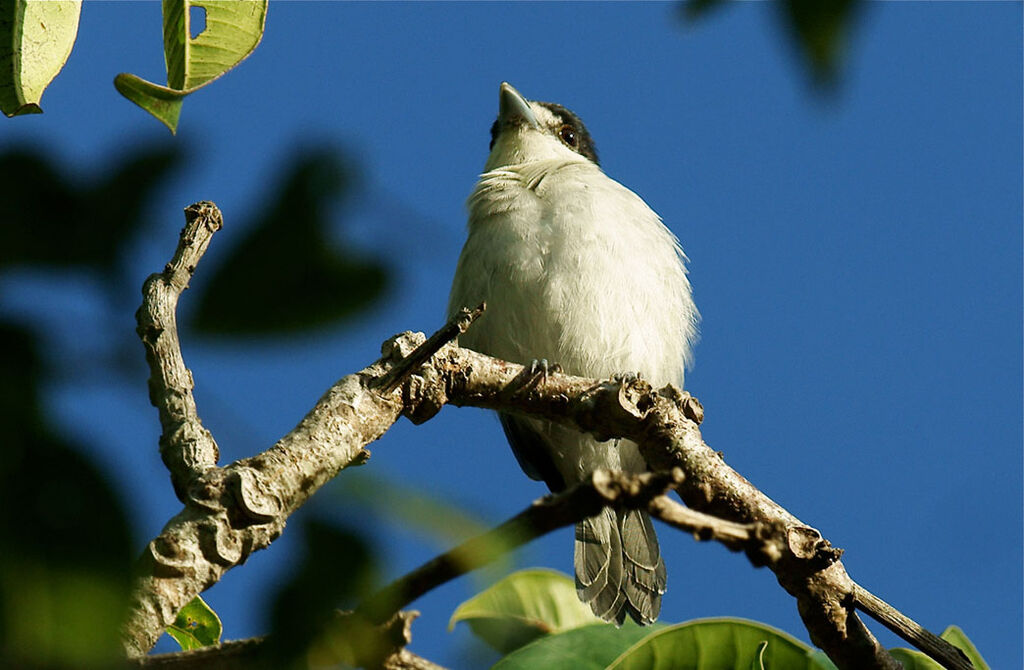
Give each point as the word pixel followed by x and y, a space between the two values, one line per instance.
pixel 234 510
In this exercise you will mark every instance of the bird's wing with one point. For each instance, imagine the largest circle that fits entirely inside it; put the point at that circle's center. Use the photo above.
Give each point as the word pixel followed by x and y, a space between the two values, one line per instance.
pixel 531 451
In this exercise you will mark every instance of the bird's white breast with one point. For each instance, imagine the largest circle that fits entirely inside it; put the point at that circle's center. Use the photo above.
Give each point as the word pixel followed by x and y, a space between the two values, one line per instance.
pixel 577 269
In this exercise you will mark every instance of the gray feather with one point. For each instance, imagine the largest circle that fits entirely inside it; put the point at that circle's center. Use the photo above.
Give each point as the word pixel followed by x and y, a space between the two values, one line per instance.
pixel 619 570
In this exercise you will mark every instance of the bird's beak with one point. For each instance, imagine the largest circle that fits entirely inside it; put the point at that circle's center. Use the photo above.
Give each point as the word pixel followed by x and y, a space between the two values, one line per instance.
pixel 514 108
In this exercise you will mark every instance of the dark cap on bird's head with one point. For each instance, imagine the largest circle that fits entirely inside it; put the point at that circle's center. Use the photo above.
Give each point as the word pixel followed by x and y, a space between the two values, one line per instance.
pixel 515 111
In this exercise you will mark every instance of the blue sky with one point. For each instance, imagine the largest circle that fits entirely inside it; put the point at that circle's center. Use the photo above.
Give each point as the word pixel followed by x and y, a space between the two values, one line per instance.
pixel 856 259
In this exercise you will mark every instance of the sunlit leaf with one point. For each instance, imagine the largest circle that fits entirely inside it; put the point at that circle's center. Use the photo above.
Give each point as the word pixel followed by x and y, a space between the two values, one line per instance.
pixel 588 648
pixel 36 37
pixel 162 102
pixel 911 659
pixel 718 643
pixel 196 626
pixel 522 607
pixel 959 639
pixel 233 30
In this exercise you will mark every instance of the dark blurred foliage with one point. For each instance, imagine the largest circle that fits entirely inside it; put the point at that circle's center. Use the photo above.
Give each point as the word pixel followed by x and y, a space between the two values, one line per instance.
pixel 338 569
pixel 48 217
pixel 817 28
pixel 284 276
pixel 65 547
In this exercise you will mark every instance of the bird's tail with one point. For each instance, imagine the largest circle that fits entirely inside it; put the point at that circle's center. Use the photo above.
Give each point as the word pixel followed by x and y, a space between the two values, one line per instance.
pixel 619 570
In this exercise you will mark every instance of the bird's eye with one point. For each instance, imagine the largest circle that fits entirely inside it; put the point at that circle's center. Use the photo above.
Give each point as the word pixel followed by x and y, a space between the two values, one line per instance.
pixel 568 135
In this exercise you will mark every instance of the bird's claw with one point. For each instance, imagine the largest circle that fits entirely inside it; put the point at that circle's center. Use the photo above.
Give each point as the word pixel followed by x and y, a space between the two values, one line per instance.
pixel 540 368
pixel 627 377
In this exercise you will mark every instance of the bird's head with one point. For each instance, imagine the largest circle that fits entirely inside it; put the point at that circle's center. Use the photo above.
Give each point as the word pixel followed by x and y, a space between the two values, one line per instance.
pixel 527 131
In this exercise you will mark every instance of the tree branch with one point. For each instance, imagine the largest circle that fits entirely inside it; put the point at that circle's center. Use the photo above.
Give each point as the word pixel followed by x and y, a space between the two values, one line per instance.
pixel 237 509
pixel 543 516
pixel 386 643
pixel 186 447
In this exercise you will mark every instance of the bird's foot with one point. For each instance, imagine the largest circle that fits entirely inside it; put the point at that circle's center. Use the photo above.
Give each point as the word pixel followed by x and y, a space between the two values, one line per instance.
pixel 540 368
pixel 627 377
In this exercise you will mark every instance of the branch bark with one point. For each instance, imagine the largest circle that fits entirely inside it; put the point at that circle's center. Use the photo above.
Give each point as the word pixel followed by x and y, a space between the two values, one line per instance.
pixel 234 510
pixel 387 643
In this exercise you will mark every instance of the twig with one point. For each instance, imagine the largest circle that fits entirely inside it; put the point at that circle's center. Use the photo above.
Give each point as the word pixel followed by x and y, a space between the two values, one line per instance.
pixel 938 649
pixel 388 642
pixel 456 326
pixel 543 516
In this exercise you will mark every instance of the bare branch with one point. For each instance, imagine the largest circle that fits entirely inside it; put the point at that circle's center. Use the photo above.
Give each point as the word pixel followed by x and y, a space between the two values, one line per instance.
pixel 664 423
pixel 232 511
pixel 456 326
pixel 911 631
pixel 387 643
pixel 186 447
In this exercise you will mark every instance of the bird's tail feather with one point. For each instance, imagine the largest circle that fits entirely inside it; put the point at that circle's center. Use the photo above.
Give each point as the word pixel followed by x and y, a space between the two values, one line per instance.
pixel 619 569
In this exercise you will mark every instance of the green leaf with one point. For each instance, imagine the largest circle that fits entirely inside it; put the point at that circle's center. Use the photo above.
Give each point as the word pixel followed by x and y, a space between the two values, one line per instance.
pixel 718 643
pixel 233 30
pixel 522 607
pixel 591 647
pixel 196 626
pixel 36 37
pixel 162 102
pixel 911 659
pixel 959 639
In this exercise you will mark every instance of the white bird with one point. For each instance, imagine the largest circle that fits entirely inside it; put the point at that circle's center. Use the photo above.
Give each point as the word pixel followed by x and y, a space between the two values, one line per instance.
pixel 576 269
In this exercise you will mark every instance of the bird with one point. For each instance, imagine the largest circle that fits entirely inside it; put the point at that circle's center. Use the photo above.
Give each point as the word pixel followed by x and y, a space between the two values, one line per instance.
pixel 576 269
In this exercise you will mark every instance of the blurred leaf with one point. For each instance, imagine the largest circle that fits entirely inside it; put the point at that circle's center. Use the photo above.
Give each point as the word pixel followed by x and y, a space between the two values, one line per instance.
pixel 416 510
pixel 959 639
pixel 50 217
pixel 588 648
pixel 196 626
pixel 697 9
pixel 36 37
pixel 284 276
pixel 337 569
pixel 718 643
pixel 65 553
pixel 819 28
pixel 522 607
pixel 233 30
pixel 20 379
